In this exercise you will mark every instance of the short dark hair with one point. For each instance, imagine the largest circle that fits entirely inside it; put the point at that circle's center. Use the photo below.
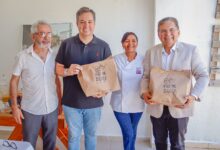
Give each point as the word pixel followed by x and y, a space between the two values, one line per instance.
pixel 125 36
pixel 84 10
pixel 162 21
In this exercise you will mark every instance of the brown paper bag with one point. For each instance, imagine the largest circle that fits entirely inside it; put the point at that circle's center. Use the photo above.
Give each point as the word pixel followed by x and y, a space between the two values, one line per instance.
pixel 99 77
pixel 170 87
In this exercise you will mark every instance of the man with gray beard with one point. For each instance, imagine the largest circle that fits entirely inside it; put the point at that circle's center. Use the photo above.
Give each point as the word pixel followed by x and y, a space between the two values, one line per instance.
pixel 35 66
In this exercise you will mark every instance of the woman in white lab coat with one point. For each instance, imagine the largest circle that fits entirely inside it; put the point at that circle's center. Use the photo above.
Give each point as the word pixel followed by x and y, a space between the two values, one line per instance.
pixel 126 103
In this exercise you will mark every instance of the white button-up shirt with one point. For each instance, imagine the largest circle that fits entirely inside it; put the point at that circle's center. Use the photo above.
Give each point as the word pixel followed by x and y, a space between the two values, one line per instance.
pixel 39 94
pixel 127 99
pixel 167 59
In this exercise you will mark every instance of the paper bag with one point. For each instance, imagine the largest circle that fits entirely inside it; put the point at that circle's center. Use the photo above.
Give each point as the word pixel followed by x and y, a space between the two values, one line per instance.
pixel 99 77
pixel 170 87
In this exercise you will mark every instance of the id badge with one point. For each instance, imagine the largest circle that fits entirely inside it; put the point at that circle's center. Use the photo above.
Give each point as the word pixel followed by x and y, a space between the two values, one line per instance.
pixel 138 70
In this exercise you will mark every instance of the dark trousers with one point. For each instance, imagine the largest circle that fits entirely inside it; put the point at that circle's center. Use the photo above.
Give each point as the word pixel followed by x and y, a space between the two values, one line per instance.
pixel 31 125
pixel 166 126
pixel 128 123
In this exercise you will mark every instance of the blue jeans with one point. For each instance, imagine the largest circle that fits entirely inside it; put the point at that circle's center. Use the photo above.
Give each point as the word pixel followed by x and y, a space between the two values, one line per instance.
pixel 128 123
pixel 78 119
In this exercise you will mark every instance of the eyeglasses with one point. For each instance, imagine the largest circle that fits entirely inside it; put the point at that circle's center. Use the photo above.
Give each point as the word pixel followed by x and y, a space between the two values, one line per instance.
pixel 44 34
pixel 9 144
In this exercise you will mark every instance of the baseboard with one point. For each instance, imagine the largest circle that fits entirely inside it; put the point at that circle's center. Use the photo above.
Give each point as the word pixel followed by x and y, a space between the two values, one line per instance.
pixel 203 144
pixel 199 145
pixel 141 139
pixel 189 144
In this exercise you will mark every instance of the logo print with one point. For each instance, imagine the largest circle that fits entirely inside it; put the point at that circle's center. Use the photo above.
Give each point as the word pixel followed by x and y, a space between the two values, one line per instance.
pixel 169 85
pixel 100 74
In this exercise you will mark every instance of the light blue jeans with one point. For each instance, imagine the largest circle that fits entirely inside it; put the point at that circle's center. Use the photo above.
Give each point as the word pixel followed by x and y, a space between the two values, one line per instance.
pixel 78 119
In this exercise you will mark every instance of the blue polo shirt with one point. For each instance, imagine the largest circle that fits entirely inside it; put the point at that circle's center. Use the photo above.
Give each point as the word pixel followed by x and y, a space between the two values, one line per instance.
pixel 74 51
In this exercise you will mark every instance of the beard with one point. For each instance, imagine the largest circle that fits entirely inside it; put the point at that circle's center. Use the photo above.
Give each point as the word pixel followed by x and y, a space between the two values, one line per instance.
pixel 44 45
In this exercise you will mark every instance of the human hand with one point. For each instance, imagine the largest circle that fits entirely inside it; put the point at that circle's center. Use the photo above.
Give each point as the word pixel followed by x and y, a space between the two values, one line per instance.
pixel 17 114
pixel 147 98
pixel 100 94
pixel 73 70
pixel 189 100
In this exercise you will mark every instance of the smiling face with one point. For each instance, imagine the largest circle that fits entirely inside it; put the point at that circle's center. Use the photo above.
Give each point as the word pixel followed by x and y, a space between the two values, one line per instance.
pixel 168 34
pixel 86 24
pixel 130 44
pixel 42 38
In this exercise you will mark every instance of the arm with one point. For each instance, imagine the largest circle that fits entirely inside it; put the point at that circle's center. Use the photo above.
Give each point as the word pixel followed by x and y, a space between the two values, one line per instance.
pixel 64 72
pixel 16 111
pixel 199 71
pixel 145 93
pixel 59 94
pixel 146 76
pixel 60 59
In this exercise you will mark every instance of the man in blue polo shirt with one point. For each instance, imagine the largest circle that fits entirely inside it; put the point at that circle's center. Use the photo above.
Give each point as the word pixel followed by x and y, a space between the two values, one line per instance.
pixel 81 112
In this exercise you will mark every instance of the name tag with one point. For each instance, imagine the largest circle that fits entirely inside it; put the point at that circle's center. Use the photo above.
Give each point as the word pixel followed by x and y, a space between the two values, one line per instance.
pixel 138 70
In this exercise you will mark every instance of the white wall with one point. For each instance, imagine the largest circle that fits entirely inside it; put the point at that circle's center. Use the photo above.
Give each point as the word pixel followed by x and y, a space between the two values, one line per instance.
pixel 196 18
pixel 114 17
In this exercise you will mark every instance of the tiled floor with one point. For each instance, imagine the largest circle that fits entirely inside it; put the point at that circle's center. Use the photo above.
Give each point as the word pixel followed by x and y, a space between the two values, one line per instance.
pixel 115 143
pixel 105 143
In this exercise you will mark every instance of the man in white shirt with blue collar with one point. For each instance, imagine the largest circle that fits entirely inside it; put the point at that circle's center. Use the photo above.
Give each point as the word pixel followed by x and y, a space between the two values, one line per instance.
pixel 171 121
pixel 35 66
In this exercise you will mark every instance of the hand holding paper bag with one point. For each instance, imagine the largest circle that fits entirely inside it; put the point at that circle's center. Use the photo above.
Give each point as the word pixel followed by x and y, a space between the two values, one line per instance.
pixel 170 87
pixel 99 78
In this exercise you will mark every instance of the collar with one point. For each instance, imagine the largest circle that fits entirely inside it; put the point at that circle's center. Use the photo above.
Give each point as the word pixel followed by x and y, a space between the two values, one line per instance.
pixel 173 49
pixel 126 58
pixel 30 50
pixel 94 40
